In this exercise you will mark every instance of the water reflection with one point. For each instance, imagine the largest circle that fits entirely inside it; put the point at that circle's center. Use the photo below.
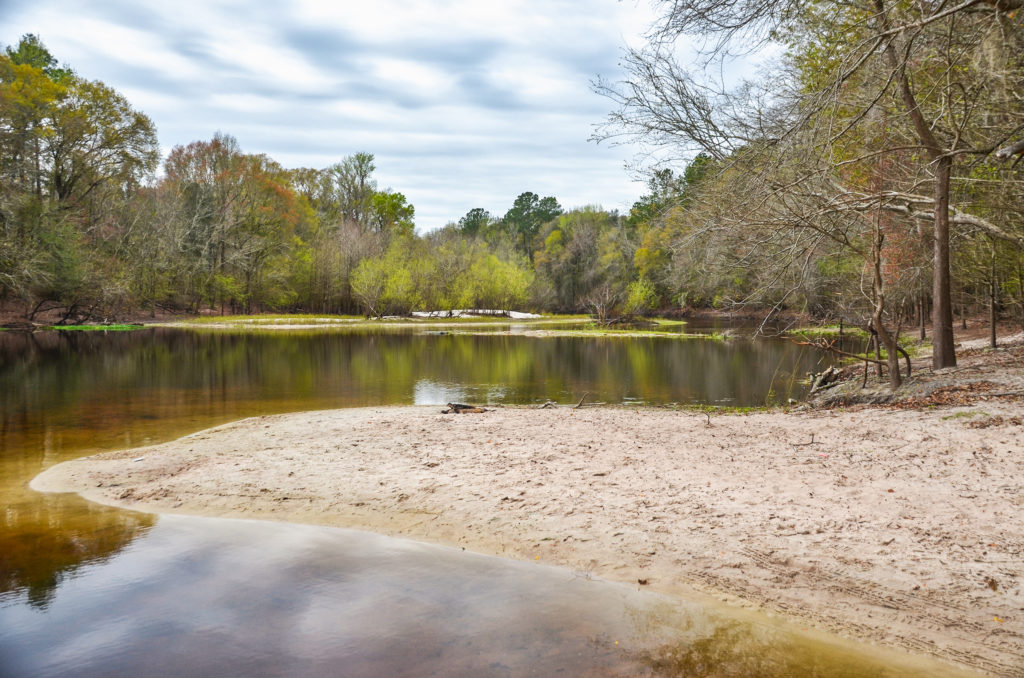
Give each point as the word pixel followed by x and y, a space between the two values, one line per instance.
pixel 44 541
pixel 67 394
pixel 63 395
pixel 734 648
pixel 228 597
pixel 427 392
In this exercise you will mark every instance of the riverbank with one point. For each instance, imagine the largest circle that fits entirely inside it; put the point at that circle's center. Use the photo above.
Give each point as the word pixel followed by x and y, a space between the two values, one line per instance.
pixel 898 526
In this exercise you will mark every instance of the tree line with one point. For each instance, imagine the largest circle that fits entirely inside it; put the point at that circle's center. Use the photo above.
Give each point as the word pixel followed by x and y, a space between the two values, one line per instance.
pixel 874 174
pixel 872 170
pixel 95 225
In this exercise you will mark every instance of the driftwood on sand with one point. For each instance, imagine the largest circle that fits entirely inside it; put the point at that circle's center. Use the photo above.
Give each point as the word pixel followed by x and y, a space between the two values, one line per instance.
pixel 459 408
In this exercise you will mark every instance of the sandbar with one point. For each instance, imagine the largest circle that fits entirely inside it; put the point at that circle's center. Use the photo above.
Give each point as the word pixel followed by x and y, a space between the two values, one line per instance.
pixel 903 527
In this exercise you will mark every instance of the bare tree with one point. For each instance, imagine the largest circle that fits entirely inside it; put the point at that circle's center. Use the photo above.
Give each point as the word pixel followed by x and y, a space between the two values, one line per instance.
pixel 942 76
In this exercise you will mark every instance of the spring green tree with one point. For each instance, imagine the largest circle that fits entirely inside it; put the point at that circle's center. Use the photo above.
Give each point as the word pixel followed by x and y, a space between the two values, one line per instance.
pixel 527 214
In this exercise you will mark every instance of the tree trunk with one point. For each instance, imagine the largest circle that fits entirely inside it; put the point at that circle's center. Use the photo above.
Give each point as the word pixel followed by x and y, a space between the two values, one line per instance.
pixel 878 350
pixel 923 318
pixel 943 353
pixel 993 294
pixel 992 314
pixel 1020 289
pixel 877 324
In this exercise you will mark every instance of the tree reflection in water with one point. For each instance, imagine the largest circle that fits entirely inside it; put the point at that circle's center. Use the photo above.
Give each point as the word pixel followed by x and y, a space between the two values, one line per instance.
pixel 41 546
pixel 67 394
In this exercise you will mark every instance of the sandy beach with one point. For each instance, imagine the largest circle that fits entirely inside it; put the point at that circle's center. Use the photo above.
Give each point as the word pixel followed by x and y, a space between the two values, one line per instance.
pixel 899 526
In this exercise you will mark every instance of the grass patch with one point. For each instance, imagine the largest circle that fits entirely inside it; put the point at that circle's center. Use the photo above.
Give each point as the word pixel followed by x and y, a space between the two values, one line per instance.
pixel 966 415
pixel 272 319
pixel 829 331
pixel 322 321
pixel 94 328
pixel 567 316
pixel 629 333
pixel 328 319
pixel 667 322
pixel 583 325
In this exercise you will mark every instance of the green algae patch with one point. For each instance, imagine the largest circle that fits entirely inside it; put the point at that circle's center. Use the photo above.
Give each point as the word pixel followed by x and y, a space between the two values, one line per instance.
pixel 828 332
pixel 94 328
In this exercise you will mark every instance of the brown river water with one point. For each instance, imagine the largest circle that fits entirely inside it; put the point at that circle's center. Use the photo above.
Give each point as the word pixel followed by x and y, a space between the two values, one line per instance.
pixel 87 590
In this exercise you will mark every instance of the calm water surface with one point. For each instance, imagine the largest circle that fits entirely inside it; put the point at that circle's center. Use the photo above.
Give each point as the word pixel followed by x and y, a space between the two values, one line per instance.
pixel 212 597
pixel 88 590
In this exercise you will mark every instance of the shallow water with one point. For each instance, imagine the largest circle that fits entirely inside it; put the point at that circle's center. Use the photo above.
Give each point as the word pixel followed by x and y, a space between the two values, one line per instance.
pixel 213 597
pixel 90 590
pixel 66 394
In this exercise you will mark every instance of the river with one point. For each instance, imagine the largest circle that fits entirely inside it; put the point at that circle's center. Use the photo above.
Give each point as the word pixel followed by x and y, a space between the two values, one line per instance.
pixel 88 590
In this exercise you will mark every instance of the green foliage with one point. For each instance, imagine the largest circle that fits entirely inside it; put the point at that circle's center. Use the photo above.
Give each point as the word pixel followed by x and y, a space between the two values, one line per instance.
pixel 582 251
pixel 71 152
pixel 491 283
pixel 828 331
pixel 354 187
pixel 32 52
pixel 641 297
pixel 414 274
pixel 668 190
pixel 475 221
pixel 391 213
pixel 391 283
pixel 524 219
pixel 369 284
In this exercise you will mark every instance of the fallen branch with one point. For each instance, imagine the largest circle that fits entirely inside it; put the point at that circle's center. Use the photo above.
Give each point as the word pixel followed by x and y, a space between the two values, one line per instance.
pixel 1011 150
pixel 829 347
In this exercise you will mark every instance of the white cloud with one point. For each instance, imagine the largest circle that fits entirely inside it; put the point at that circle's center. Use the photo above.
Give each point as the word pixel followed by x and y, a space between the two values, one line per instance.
pixel 409 75
pixel 464 103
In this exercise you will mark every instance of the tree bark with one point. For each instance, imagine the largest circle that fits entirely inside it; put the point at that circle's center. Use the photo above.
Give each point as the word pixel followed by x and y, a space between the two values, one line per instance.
pixel 878 351
pixel 1020 289
pixel 943 353
pixel 992 315
pixel 923 318
pixel 881 335
pixel 993 299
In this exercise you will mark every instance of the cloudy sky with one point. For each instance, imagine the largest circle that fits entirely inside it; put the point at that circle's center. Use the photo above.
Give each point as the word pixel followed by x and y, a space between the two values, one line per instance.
pixel 464 103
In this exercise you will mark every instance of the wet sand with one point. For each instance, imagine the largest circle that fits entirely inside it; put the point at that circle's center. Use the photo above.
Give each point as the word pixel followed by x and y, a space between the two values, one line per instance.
pixel 903 527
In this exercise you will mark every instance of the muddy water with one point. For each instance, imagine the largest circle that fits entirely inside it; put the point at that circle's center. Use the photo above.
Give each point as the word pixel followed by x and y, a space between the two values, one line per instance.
pixel 90 590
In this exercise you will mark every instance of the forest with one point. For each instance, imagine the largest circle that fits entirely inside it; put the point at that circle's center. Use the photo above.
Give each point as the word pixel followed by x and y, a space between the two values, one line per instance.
pixel 870 172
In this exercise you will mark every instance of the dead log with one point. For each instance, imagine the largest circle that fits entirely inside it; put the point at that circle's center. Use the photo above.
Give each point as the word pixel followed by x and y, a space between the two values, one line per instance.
pixel 459 408
pixel 824 379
